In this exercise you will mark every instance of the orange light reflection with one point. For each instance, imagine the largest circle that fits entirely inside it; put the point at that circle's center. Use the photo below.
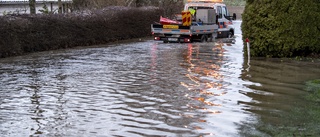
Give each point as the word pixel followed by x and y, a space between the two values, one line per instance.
pixel 203 69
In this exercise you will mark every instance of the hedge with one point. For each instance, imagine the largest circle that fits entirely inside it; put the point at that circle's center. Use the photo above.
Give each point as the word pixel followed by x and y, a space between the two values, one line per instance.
pixel 21 34
pixel 285 28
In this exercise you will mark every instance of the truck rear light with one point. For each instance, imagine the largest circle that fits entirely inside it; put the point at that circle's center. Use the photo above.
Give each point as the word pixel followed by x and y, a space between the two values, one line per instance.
pixel 156 38
pixel 187 40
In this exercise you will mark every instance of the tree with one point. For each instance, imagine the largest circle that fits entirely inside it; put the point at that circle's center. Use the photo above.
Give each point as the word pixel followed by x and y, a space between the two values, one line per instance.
pixel 169 7
pixel 32 5
pixel 98 4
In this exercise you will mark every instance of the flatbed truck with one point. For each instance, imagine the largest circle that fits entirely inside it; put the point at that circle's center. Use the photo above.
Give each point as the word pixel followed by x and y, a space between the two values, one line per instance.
pixel 210 20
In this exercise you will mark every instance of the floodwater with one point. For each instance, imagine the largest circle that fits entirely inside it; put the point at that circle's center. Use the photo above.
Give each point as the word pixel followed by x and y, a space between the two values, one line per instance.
pixel 147 88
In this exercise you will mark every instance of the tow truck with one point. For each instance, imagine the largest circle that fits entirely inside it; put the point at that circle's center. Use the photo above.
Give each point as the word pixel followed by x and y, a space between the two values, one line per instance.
pixel 209 19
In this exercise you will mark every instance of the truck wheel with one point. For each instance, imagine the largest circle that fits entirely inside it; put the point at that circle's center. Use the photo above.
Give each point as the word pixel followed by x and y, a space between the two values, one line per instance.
pixel 204 38
pixel 230 34
pixel 212 38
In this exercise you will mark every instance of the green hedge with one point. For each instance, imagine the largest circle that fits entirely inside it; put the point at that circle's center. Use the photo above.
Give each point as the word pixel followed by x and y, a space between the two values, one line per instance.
pixel 282 28
pixel 22 34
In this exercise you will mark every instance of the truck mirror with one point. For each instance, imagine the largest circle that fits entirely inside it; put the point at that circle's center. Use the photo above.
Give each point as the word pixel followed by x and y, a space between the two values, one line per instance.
pixel 234 17
pixel 217 17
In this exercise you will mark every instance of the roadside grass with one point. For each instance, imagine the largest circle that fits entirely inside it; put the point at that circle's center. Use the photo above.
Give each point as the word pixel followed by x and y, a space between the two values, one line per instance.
pixel 313 87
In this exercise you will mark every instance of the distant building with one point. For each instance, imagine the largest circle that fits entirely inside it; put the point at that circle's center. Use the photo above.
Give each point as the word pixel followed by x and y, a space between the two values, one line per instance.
pixel 22 6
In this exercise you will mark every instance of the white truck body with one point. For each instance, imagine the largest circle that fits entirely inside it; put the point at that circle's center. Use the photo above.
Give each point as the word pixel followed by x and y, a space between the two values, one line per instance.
pixel 225 25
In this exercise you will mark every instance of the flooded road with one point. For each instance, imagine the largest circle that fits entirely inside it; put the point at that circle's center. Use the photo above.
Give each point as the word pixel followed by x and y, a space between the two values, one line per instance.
pixel 147 88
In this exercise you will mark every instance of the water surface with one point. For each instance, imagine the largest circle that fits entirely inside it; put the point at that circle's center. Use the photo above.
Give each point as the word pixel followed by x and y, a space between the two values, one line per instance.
pixel 147 88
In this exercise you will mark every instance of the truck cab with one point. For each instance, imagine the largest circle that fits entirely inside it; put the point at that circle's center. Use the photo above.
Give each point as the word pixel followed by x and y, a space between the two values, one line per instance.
pixel 223 19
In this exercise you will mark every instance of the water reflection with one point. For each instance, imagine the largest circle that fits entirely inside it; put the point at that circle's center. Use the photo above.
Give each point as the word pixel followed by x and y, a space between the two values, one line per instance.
pixel 36 107
pixel 201 62
pixel 214 86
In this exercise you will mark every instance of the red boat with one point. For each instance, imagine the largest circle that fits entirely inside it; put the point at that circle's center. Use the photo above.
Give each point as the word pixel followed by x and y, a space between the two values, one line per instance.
pixel 166 21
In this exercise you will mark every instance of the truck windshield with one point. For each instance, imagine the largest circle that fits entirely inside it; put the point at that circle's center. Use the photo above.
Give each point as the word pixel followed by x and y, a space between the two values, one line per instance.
pixel 225 11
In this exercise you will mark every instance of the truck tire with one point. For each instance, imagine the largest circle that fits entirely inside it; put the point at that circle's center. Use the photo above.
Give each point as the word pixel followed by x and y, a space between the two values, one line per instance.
pixel 230 34
pixel 212 38
pixel 204 38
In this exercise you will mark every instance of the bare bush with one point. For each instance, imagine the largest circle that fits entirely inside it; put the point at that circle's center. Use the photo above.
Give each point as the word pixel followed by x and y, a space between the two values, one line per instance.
pixel 170 7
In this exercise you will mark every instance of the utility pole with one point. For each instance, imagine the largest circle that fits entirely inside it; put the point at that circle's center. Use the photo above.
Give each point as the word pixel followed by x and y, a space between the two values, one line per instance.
pixel 32 5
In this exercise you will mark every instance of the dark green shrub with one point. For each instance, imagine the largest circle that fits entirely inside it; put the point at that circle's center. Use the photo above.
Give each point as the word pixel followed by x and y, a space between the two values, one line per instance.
pixel 285 28
pixel 29 33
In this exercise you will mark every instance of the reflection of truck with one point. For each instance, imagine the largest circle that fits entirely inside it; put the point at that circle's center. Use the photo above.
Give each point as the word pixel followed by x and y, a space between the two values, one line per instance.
pixel 205 24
